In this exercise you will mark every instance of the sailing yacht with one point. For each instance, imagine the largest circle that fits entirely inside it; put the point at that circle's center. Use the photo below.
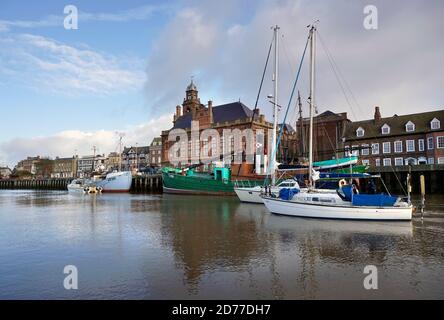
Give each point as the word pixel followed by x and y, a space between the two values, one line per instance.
pixel 346 203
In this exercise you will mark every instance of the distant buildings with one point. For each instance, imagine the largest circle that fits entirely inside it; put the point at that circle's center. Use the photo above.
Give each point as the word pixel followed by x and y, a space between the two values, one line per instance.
pixel 89 164
pixel 5 172
pixel 64 167
pixel 113 161
pixel 397 140
pixel 135 157
pixel 155 152
pixel 28 165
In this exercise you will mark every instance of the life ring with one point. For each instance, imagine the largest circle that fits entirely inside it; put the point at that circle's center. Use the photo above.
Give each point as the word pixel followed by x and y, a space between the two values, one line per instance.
pixel 342 183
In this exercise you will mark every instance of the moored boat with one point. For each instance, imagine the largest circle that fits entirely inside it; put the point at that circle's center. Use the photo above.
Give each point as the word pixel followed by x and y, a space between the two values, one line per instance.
pixel 187 181
pixel 119 181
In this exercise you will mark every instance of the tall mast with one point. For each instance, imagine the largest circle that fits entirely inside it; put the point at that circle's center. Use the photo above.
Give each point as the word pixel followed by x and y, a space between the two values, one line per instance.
pixel 312 102
pixel 120 151
pixel 301 126
pixel 275 103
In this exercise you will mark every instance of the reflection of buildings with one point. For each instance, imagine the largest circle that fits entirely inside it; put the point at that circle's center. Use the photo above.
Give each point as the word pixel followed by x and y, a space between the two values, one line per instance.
pixel 202 232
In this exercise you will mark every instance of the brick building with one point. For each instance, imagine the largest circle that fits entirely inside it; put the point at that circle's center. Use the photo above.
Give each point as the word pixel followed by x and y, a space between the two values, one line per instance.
pixel 231 116
pixel 328 129
pixel 27 165
pixel 64 167
pixel 398 140
pixel 155 150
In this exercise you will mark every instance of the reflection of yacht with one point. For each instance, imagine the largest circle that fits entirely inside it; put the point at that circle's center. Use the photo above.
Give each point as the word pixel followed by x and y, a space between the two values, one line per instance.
pixel 310 225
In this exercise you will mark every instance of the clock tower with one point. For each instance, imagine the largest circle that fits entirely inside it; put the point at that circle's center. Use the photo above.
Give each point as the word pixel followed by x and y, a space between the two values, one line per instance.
pixel 191 103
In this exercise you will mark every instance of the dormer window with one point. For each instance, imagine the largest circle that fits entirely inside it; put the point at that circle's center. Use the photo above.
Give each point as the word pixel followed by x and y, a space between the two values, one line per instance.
pixel 385 129
pixel 435 124
pixel 409 126
pixel 360 132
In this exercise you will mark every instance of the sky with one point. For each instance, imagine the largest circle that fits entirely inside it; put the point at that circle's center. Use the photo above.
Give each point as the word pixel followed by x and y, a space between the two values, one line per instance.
pixel 127 65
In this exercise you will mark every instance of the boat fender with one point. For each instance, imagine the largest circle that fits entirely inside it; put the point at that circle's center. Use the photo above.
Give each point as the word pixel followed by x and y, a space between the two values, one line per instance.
pixel 342 183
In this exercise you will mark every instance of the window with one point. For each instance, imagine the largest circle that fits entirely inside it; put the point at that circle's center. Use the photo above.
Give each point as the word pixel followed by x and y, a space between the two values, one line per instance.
pixel 398 162
pixel 421 144
pixel 386 147
pixel 366 162
pixel 430 143
pixel 347 151
pixel 431 161
pixel 375 148
pixel 365 151
pixel 440 142
pixel 359 132
pixel 355 152
pixel 398 146
pixel 385 129
pixel 409 126
pixel 159 159
pixel 387 162
pixel 410 145
pixel 435 124
pixel 441 160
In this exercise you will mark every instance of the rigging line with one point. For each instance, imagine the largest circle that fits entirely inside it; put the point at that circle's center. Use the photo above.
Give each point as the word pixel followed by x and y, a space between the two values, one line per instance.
pixel 342 76
pixel 288 107
pixel 373 129
pixel 262 80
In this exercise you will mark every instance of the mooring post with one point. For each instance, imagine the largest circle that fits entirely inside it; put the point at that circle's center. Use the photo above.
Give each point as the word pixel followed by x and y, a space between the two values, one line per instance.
pixel 422 181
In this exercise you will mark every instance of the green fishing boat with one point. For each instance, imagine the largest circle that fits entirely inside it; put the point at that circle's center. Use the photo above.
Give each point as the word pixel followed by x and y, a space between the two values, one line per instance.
pixel 187 181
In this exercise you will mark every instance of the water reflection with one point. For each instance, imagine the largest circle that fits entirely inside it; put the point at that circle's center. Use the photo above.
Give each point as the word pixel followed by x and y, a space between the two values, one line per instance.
pixel 172 246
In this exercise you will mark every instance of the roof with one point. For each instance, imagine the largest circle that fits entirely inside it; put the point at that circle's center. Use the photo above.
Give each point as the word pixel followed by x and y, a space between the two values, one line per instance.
pixel 142 149
pixel 288 127
pixel 191 86
pixel 222 113
pixel 327 116
pixel 397 124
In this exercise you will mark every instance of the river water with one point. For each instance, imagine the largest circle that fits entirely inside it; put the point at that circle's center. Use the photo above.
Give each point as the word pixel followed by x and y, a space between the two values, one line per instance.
pixel 133 246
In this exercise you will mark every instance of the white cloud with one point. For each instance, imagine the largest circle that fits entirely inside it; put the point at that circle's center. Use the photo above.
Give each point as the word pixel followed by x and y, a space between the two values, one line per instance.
pixel 46 64
pixel 398 66
pixel 140 13
pixel 66 143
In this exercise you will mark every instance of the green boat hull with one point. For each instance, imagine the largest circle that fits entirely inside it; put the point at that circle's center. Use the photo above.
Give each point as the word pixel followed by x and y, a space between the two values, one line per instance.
pixel 197 184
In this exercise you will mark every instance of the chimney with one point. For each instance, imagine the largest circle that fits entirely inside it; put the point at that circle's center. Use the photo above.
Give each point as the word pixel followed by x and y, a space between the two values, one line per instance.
pixel 210 110
pixel 178 111
pixel 377 114
pixel 261 118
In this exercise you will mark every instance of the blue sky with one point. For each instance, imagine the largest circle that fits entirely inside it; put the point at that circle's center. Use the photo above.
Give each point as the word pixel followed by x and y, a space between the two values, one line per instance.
pixel 126 67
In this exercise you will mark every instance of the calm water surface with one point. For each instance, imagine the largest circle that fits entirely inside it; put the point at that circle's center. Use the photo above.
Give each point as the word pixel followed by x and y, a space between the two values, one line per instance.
pixel 180 247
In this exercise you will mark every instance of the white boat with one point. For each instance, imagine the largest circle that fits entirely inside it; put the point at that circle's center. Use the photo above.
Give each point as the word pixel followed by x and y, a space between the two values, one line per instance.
pixel 83 186
pixel 119 181
pixel 252 194
pixel 329 206
pixel 347 203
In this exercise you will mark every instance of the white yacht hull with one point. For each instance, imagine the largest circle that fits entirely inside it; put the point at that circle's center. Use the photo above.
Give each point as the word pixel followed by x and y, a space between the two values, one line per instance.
pixel 310 210
pixel 116 182
pixel 76 189
pixel 251 195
